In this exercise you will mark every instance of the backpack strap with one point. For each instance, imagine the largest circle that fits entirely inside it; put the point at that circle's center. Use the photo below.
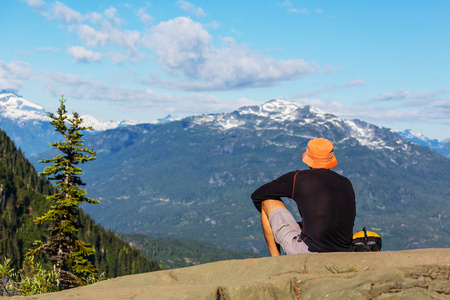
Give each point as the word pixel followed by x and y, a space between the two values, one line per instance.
pixel 293 187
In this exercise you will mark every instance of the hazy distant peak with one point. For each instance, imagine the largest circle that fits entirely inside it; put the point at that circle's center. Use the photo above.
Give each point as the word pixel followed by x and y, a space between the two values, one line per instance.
pixel 166 119
pixel 419 138
pixel 411 134
pixel 100 125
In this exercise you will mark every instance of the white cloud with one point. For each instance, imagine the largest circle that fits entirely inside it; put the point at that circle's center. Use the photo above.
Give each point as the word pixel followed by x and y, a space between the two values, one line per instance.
pixel 94 17
pixel 317 92
pixel 184 47
pixel 290 7
pixel 35 3
pixel 144 16
pixel 76 87
pixel 81 54
pixel 403 94
pixel 111 14
pixel 180 44
pixel 444 104
pixel 366 113
pixel 13 74
pixel 90 35
pixel 418 106
pixel 56 10
pixel 96 29
pixel 285 4
pixel 403 106
pixel 356 82
pixel 213 24
pixel 65 13
pixel 26 53
pixel 332 88
pixel 299 10
pixel 116 57
pixel 190 8
pixel 109 34
pixel 244 101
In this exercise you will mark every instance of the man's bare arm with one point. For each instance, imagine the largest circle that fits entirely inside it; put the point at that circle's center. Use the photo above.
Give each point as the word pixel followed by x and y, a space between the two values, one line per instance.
pixel 267 207
pixel 268 234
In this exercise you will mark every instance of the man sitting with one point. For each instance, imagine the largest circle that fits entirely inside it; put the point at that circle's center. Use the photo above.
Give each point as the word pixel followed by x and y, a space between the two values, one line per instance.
pixel 325 200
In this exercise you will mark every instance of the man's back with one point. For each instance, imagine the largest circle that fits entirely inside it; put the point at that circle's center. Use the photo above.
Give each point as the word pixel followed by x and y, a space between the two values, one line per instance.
pixel 326 201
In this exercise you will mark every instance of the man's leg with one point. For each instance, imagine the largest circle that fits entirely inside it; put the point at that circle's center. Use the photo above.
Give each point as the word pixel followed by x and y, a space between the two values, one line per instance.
pixel 281 229
pixel 267 207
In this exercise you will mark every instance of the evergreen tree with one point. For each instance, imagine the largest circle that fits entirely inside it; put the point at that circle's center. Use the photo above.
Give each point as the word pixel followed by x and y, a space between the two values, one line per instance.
pixel 64 249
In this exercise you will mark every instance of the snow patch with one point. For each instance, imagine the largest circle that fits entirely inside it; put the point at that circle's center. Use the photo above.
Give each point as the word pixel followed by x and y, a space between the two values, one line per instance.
pixel 223 121
pixel 278 110
pixel 365 136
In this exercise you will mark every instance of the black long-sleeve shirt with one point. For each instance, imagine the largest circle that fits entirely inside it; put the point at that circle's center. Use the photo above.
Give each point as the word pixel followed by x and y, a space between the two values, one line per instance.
pixel 326 202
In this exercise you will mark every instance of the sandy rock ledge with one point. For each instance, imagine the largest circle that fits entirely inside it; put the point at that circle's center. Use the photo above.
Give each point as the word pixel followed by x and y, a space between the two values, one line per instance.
pixel 411 274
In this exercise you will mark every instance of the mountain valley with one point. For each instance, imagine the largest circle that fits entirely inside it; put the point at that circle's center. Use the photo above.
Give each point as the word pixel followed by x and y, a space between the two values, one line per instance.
pixel 192 177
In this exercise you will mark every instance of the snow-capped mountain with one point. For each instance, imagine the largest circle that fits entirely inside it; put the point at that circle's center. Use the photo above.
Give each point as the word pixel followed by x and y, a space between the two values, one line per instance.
pixel 281 111
pixel 100 125
pixel 193 177
pixel 20 110
pixel 16 108
pixel 28 125
pixel 275 113
pixel 442 147
pixel 419 138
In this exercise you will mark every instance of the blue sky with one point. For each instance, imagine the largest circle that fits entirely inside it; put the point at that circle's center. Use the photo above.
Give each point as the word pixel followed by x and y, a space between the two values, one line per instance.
pixel 385 62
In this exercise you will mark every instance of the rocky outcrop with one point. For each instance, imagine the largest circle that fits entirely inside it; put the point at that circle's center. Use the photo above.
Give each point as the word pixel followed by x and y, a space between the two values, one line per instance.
pixel 410 274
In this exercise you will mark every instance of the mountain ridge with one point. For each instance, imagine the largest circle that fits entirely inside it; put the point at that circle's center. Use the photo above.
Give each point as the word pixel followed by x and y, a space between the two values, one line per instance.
pixel 19 116
pixel 28 125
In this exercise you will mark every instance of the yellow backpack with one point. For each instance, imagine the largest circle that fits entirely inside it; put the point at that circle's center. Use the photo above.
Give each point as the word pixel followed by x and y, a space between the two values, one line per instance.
pixel 366 241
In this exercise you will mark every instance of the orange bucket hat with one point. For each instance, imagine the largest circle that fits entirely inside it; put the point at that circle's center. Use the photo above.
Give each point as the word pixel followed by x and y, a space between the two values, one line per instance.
pixel 320 154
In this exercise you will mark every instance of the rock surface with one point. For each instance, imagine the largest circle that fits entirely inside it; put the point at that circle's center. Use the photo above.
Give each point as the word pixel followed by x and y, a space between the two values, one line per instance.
pixel 410 274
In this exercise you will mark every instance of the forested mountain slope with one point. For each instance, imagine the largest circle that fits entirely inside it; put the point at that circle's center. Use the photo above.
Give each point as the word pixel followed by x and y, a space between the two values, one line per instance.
pixel 174 253
pixel 22 200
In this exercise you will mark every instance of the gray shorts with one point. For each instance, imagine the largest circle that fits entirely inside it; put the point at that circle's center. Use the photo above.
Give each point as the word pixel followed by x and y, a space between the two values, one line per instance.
pixel 287 232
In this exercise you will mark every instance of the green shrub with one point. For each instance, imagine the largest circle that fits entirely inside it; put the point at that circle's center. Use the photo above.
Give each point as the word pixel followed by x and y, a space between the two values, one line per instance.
pixel 32 279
